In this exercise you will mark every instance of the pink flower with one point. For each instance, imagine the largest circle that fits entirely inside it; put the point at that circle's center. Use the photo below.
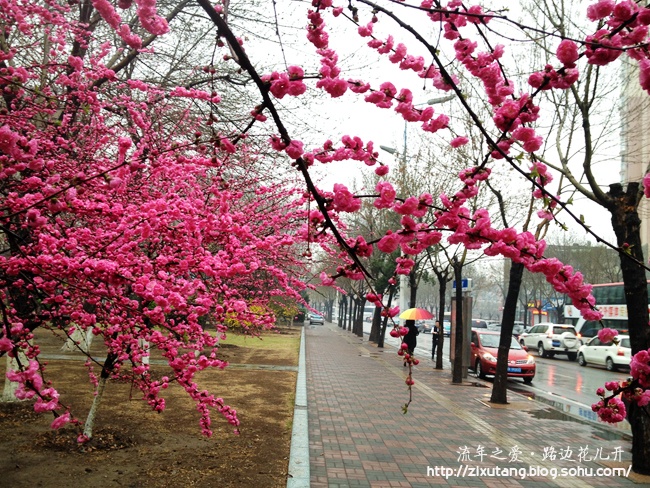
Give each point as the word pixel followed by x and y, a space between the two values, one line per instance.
pixel 6 345
pixel 60 421
pixel 567 53
pixel 600 10
pixel 459 141
pixel 381 170
pixel 344 201
pixel 389 242
pixel 606 334
pixel 644 80
pixel 646 181
pixel 8 140
pixel 295 149
pixel 612 412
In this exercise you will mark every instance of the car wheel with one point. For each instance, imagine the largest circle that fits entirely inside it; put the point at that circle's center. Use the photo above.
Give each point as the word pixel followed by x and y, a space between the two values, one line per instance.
pixel 572 356
pixel 581 360
pixel 479 370
pixel 541 351
pixel 528 380
pixel 609 364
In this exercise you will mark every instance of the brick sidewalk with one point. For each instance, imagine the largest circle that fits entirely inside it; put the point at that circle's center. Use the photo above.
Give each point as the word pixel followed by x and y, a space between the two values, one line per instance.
pixel 358 436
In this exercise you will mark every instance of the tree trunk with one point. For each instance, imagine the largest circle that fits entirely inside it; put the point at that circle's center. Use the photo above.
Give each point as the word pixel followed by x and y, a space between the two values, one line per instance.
pixel 9 392
pixel 79 340
pixel 627 227
pixel 375 329
pixel 90 419
pixel 358 321
pixel 500 388
pixel 441 320
pixel 457 367
pixel 382 333
pixel 101 385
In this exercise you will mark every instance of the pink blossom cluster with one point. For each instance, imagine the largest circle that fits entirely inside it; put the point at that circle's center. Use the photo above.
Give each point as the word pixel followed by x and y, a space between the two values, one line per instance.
pixel 567 53
pixel 625 28
pixel 154 244
pixel 329 71
pixel 343 200
pixel 113 19
pixel 611 410
pixel 455 16
pixel 640 368
pixel 352 148
pixel 289 83
pixel 150 19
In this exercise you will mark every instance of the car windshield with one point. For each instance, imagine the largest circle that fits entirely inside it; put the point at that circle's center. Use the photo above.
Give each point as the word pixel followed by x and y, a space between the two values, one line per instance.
pixel 625 343
pixel 492 340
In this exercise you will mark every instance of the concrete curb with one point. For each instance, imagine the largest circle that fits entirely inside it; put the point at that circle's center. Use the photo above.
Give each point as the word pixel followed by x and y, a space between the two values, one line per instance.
pixel 298 476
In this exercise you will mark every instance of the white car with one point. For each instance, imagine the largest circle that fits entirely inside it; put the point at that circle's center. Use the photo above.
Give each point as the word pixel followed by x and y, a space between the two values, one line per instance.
pixel 610 355
pixel 315 318
pixel 551 339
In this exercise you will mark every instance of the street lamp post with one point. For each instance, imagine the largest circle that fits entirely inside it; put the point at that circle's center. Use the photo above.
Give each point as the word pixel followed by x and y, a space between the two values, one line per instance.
pixel 404 289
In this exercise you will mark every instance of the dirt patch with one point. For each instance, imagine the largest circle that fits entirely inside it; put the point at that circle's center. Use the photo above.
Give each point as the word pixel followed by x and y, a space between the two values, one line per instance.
pixel 135 447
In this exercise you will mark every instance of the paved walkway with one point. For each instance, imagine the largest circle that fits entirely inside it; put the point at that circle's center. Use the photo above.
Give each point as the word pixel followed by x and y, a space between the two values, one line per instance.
pixel 451 435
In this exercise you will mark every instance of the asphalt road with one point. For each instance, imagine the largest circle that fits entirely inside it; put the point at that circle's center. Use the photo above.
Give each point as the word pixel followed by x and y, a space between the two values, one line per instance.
pixel 564 384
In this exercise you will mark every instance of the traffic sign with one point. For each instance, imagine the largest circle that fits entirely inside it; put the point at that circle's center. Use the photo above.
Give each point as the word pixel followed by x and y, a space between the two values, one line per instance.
pixel 465 284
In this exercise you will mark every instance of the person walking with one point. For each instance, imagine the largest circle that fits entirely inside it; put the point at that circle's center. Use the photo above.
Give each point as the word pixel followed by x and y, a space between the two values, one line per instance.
pixel 410 339
pixel 434 339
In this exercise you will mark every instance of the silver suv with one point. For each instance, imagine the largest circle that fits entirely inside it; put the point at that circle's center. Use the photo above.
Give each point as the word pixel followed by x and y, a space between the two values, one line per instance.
pixel 551 339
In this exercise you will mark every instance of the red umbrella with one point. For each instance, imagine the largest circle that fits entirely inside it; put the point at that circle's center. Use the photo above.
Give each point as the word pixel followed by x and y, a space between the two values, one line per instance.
pixel 416 314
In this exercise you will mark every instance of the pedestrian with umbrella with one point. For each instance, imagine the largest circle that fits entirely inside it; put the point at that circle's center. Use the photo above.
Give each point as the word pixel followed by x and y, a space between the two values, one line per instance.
pixel 411 315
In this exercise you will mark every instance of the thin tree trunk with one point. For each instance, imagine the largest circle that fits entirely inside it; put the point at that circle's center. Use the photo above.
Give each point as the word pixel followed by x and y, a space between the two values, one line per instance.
pixel 9 392
pixel 90 419
pixel 79 340
pixel 500 388
pixel 441 320
pixel 101 385
pixel 457 367
pixel 382 333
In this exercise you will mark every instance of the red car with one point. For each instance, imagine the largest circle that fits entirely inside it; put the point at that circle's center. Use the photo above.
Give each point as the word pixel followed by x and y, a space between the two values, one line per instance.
pixel 483 356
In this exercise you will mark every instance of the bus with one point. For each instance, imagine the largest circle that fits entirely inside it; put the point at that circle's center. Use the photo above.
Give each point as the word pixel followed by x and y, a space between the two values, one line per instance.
pixel 610 301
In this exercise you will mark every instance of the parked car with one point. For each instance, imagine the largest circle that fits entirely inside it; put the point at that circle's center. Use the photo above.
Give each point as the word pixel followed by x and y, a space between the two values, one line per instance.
pixel 425 326
pixel 551 339
pixel 479 324
pixel 483 356
pixel 518 328
pixel 607 354
pixel 315 318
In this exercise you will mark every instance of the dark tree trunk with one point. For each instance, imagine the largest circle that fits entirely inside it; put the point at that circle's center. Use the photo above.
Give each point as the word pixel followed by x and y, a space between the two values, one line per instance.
pixel 442 281
pixel 343 313
pixel 500 388
pixel 375 329
pixel 382 333
pixel 358 321
pixel 329 309
pixel 627 227
pixel 457 367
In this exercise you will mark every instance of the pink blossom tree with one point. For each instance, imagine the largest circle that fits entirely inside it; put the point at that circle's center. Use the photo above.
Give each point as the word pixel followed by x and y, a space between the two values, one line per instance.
pixel 70 142
pixel 125 214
